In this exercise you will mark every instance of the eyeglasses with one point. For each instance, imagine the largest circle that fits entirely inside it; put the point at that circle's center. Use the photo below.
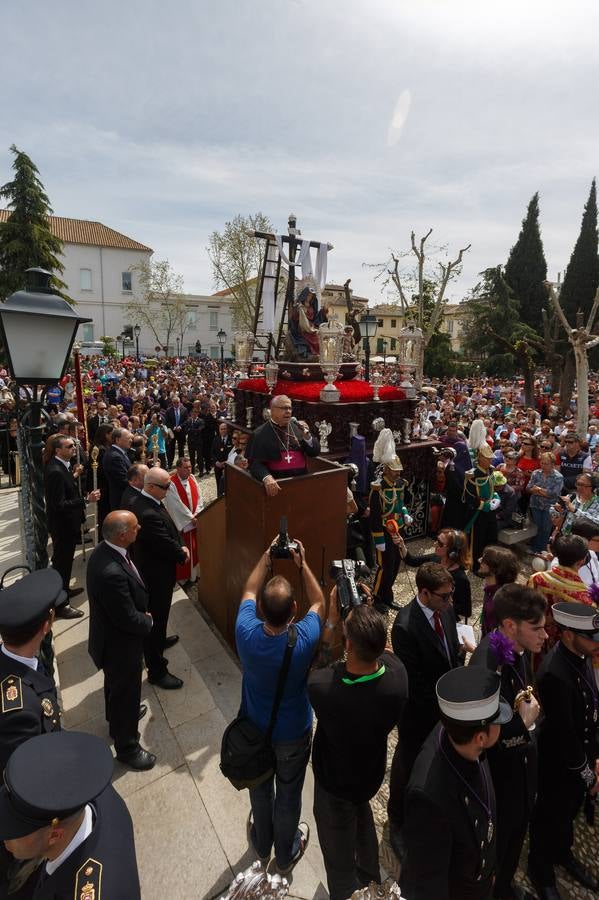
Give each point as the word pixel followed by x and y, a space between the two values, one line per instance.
pixel 68 446
pixel 444 597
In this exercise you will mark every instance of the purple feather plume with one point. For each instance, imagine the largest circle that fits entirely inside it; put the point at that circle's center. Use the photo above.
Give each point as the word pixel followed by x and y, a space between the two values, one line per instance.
pixel 594 593
pixel 502 648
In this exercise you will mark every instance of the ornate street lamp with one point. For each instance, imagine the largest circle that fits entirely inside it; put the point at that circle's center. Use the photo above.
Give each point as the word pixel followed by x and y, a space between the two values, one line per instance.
pixel 368 327
pixel 38 330
pixel 137 332
pixel 411 358
pixel 222 337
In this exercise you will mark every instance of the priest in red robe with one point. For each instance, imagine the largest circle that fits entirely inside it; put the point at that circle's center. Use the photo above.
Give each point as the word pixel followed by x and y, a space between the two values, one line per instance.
pixel 183 502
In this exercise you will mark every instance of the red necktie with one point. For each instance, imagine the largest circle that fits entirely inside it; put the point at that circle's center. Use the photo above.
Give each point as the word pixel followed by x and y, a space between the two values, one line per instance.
pixel 439 627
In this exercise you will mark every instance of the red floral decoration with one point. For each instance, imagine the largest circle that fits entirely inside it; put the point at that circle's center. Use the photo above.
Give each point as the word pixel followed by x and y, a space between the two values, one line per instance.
pixel 351 391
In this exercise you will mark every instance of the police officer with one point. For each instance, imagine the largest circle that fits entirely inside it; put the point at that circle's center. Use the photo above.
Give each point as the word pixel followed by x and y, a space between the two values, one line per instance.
pixel 568 748
pixel 450 815
pixel 520 613
pixel 71 817
pixel 388 515
pixel 27 691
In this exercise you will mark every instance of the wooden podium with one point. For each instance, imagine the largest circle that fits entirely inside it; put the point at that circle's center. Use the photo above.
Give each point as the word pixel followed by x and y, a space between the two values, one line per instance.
pixel 235 529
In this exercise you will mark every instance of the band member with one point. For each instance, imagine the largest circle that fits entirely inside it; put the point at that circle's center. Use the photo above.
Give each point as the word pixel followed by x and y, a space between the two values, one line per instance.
pixel 388 515
pixel 481 501
pixel 183 503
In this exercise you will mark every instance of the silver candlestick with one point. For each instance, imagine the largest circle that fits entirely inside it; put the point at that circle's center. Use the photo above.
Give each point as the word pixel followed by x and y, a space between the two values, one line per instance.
pixel 249 415
pixel 377 382
pixel 353 429
pixel 256 884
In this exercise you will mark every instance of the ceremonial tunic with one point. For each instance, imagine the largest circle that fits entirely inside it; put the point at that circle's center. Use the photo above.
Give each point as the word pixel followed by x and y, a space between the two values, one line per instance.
pixel 29 705
pixel 449 834
pixel 479 487
pixel 183 502
pixel 513 764
pixel 568 748
pixel 386 505
pixel 104 866
pixel 279 452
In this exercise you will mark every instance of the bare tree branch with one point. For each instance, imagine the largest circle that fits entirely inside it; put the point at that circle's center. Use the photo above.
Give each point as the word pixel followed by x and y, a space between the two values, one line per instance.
pixel 593 312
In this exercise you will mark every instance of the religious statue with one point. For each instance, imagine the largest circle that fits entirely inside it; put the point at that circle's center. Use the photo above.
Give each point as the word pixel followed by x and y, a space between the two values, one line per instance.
pixel 349 345
pixel 304 319
pixel 324 430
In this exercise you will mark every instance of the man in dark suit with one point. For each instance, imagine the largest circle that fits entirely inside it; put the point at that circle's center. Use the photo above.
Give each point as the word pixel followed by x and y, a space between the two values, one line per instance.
pixel 135 482
pixel 157 551
pixel 99 418
pixel 221 447
pixel 450 818
pixel 118 623
pixel 425 638
pixel 65 509
pixel 175 418
pixel 116 466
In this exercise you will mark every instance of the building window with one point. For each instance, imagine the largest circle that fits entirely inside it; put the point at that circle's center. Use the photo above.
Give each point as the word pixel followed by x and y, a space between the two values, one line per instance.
pixel 379 345
pixel 213 320
pixel 393 323
pixel 126 282
pixel 214 353
pixel 87 330
pixel 85 277
pixel 192 317
pixel 393 343
pixel 450 326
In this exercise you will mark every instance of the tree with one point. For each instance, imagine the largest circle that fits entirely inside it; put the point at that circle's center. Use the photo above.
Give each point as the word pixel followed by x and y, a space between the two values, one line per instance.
pixel 526 269
pixel 582 340
pixel 25 238
pixel 438 275
pixel 161 306
pixel 237 257
pixel 580 284
pixel 493 326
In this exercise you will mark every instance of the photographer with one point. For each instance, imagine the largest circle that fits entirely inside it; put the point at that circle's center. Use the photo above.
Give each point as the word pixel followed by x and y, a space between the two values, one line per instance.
pixel 261 637
pixel 357 704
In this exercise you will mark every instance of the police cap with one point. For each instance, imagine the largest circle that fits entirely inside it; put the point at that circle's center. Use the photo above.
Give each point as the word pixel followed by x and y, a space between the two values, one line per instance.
pixel 26 600
pixel 470 695
pixel 51 776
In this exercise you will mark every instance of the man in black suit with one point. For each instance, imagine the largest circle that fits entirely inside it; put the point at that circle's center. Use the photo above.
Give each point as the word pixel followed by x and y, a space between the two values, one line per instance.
pixel 118 623
pixel 99 418
pixel 65 509
pixel 450 817
pixel 135 482
pixel 221 447
pixel 175 418
pixel 116 466
pixel 157 551
pixel 425 638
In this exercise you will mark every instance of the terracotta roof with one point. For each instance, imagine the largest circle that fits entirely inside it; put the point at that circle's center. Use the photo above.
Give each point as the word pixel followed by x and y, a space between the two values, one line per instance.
pixel 94 234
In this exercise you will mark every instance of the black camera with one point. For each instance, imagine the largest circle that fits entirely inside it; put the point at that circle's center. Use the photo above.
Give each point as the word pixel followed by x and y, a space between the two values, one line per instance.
pixel 344 572
pixel 283 546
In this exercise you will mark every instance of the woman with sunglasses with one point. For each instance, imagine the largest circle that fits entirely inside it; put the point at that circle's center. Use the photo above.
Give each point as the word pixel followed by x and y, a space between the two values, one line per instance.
pixel 451 550
pixel 528 462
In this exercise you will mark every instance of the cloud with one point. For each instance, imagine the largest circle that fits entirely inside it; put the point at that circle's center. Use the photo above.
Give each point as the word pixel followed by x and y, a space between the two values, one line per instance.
pixel 399 117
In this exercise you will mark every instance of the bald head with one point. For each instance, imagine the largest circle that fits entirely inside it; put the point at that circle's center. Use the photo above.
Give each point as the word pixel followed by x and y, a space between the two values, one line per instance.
pixel 120 528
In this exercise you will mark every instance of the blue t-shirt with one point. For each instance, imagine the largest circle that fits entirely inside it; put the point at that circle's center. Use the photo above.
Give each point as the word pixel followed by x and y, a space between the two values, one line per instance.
pixel 261 656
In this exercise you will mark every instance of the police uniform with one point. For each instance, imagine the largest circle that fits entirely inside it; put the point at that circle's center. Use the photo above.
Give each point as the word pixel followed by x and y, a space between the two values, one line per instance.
pixel 513 764
pixel 386 503
pixel 481 523
pixel 568 749
pixel 450 811
pixel 29 705
pixel 99 862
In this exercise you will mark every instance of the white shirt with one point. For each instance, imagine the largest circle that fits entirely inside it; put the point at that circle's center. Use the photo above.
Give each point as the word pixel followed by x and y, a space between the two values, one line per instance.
pixel 145 494
pixel 430 613
pixel 82 834
pixel 66 462
pixel 128 560
pixel 29 661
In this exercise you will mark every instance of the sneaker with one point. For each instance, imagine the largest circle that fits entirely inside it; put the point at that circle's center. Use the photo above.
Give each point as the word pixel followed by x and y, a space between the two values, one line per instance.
pixel 249 825
pixel 304 831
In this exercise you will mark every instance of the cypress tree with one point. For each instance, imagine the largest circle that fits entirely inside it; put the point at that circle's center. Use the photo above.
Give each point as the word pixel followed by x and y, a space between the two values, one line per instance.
pixel 582 275
pixel 526 268
pixel 25 238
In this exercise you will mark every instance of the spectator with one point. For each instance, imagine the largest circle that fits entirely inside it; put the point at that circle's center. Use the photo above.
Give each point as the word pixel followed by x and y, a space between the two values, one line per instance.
pixel 544 487
pixel 498 566
pixel 175 418
pixel 261 641
pixel 584 506
pixel 571 460
pixel 116 465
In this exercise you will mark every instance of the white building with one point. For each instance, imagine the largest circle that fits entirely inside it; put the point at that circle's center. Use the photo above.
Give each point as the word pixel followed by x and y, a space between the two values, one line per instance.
pixel 98 263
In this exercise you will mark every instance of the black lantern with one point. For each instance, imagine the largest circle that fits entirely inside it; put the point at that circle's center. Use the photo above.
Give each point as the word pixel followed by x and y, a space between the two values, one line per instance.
pixel 137 332
pixel 368 327
pixel 222 337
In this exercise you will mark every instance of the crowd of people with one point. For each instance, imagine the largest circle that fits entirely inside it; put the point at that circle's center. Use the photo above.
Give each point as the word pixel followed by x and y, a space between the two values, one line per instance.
pixel 494 741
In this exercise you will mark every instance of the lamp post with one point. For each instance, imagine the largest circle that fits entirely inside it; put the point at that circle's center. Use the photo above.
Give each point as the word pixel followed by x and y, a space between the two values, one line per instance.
pixel 38 330
pixel 178 340
pixel 368 327
pixel 222 337
pixel 137 332
pixel 384 354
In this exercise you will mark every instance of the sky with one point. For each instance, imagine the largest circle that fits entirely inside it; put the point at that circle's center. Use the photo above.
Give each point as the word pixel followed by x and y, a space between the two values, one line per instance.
pixel 366 118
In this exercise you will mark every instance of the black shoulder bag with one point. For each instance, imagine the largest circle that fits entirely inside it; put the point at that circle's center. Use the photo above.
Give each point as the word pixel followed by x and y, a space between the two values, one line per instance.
pixel 246 755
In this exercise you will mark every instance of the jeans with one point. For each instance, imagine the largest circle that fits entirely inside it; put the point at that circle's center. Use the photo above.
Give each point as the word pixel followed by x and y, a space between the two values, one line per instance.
pixel 542 520
pixel 277 803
